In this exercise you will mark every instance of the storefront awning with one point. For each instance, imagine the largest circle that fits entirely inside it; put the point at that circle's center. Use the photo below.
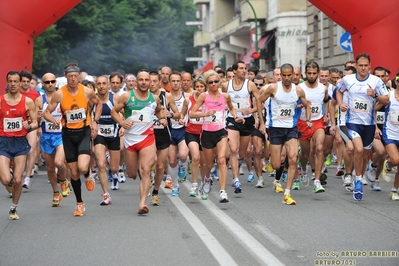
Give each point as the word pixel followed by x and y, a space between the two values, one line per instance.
pixel 247 58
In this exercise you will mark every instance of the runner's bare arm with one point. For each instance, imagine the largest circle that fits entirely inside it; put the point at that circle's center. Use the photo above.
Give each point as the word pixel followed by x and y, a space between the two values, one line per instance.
pixel 55 99
pixel 200 100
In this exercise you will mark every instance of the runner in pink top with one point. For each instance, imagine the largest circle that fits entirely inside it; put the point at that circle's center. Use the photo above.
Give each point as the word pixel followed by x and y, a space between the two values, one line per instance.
pixel 214 133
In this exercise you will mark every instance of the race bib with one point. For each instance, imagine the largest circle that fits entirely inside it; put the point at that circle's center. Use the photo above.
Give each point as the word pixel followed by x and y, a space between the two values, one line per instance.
pixel 51 128
pixel 285 111
pixel 157 124
pixel 75 116
pixel 106 130
pixel 380 117
pixel 394 117
pixel 197 121
pixel 216 118
pixel 239 104
pixel 361 106
pixel 315 109
pixel 141 117
pixel 12 124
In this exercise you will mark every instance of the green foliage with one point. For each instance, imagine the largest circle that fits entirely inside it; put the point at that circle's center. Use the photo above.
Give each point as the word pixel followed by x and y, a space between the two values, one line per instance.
pixel 106 35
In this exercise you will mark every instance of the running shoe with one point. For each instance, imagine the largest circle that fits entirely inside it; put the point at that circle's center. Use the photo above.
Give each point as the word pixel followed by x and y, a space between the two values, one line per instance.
pixel 288 200
pixel 207 186
pixel 284 176
pixel 175 191
pixel 323 179
pixel 182 172
pixel 115 184
pixel 80 209
pixel 394 195
pixel 251 177
pixel 121 177
pixel 10 186
pixel 313 176
pixel 375 186
pixel 386 175
pixel 95 175
pixel 36 168
pixel 296 185
pixel 237 186
pixel 328 160
pixel 241 171
pixel 370 174
pixel 304 179
pixel 347 180
pixel 110 176
pixel 270 168
pixel 264 167
pixel 318 188
pixel 334 158
pixel 277 187
pixel 223 197
pixel 340 171
pixel 12 214
pixel 168 182
pixel 260 184
pixel 325 171
pixel 193 191
pixel 189 167
pixel 65 191
pixel 155 200
pixel 26 183
pixel 364 181
pixel 106 199
pixel 90 183
pixel 357 190
pixel 272 173
pixel 214 175
pixel 57 197
pixel 204 196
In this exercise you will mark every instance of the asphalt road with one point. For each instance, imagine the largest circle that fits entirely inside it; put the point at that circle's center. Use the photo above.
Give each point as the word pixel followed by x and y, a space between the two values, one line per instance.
pixel 255 228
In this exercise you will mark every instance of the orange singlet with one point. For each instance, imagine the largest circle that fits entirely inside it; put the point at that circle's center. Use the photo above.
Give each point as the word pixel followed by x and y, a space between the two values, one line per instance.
pixel 74 109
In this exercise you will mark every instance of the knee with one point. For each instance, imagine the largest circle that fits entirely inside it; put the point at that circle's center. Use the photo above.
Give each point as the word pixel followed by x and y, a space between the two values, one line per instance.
pixel 394 160
pixel 221 160
pixel 51 168
pixel 258 153
pixel 195 158
pixel 319 148
pixel 101 166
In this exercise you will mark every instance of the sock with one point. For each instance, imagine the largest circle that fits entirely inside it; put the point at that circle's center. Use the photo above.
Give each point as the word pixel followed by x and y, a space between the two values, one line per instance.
pixel 173 173
pixel 276 181
pixel 154 192
pixel 287 191
pixel 393 189
pixel 359 177
pixel 27 178
pixel 260 177
pixel 77 189
pixel 114 175
pixel 194 184
pixel 13 206
pixel 222 191
pixel 120 168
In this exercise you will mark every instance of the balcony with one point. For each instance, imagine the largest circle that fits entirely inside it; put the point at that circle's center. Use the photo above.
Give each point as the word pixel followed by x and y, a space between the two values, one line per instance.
pixel 201 38
pixel 260 8
pixel 233 27
pixel 200 2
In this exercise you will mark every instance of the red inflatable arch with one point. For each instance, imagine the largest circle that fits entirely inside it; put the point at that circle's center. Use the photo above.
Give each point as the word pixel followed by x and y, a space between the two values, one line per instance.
pixel 20 22
pixel 373 25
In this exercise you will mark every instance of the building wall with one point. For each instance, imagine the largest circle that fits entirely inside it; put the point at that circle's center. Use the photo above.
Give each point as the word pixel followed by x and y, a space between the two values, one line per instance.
pixel 323 40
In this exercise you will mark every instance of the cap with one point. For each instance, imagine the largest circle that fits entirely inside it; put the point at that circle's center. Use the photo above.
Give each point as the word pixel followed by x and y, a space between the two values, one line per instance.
pixel 89 78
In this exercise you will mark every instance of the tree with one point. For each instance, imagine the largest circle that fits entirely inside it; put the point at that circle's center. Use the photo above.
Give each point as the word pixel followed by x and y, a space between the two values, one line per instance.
pixel 106 35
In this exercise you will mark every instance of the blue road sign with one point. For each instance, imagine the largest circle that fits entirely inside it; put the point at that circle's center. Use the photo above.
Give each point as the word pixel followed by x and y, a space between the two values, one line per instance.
pixel 345 42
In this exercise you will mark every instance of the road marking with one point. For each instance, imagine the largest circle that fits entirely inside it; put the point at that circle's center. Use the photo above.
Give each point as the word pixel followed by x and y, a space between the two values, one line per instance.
pixel 272 237
pixel 258 251
pixel 213 245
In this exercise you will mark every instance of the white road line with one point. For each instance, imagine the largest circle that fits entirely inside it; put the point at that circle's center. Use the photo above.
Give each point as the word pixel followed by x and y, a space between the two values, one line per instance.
pixel 272 237
pixel 258 251
pixel 217 250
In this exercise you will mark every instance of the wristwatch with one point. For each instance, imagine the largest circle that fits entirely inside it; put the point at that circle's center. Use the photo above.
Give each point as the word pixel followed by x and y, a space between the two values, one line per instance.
pixel 97 121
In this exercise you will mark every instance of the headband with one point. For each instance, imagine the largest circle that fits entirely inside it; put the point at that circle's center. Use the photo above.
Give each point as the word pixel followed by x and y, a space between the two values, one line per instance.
pixel 72 69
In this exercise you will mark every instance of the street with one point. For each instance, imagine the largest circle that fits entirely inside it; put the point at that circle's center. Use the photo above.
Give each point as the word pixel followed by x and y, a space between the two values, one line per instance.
pixel 255 228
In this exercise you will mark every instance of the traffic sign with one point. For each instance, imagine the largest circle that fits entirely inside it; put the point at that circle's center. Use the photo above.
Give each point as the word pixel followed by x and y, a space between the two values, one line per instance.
pixel 345 41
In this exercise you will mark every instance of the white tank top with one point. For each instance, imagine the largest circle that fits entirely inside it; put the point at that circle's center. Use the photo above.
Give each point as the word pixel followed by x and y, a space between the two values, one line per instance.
pixel 240 98
pixel 316 98
pixel 282 111
pixel 179 105
pixel 390 130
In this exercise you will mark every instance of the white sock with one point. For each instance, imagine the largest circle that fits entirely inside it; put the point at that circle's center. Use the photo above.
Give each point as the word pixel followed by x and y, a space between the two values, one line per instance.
pixel 173 174
pixel 287 191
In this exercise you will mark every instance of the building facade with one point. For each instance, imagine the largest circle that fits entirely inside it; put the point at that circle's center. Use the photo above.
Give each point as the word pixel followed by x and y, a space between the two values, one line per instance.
pixel 288 31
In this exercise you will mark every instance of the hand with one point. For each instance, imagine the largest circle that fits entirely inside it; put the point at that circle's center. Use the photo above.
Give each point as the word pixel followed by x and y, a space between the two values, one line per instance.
pixel 163 122
pixel 370 91
pixel 344 107
pixel 127 124
pixel 121 132
pixel 262 128
pixel 166 113
pixel 94 130
pixel 299 106
pixel 239 120
pixel 181 121
pixel 26 124
pixel 326 118
pixel 245 111
pixel 377 134
pixel 256 123
pixel 210 113
pixel 310 124
pixel 333 129
pixel 39 114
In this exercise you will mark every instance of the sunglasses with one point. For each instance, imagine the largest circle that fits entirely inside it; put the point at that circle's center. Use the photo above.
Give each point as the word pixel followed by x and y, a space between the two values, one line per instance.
pixel 259 84
pixel 49 81
pixel 213 82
